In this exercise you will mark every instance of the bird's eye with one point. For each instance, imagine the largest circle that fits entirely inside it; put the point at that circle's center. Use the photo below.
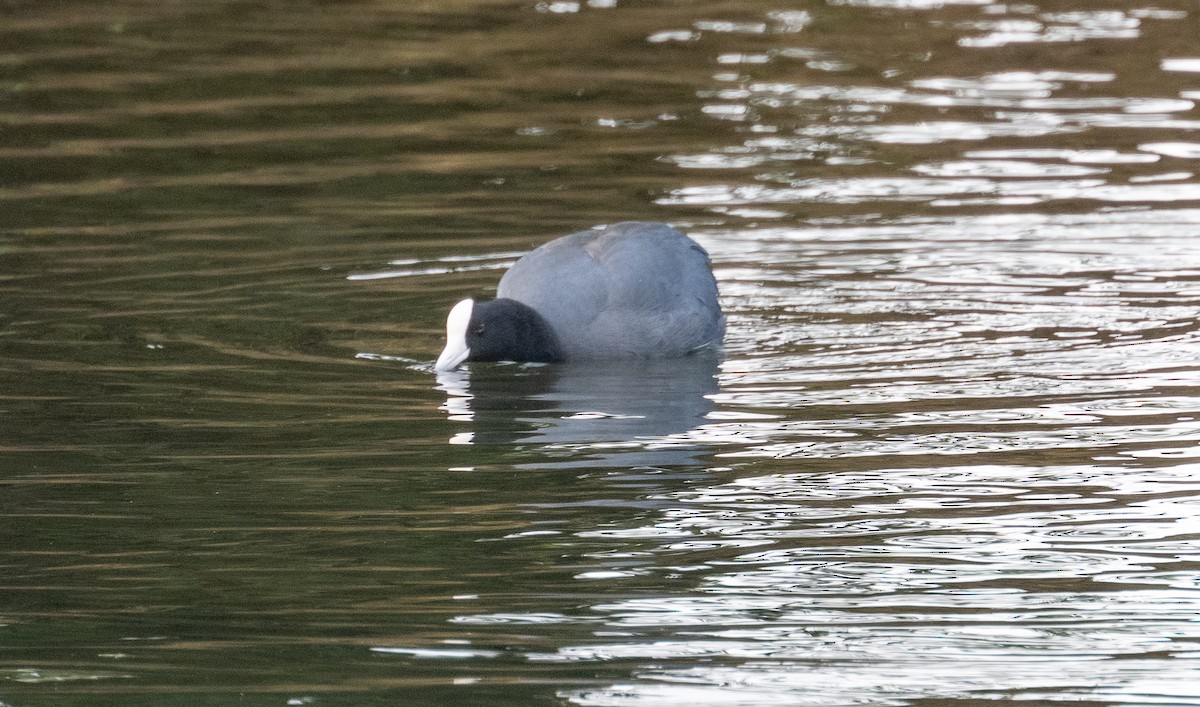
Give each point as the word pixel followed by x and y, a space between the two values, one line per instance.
pixel 477 330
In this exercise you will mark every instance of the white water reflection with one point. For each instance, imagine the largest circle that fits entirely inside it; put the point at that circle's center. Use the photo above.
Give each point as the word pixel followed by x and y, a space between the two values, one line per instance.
pixel 1005 168
pixel 1072 156
pixel 1053 27
pixel 1184 65
pixel 908 4
pixel 954 191
pixel 1181 150
pixel 901 573
pixel 878 118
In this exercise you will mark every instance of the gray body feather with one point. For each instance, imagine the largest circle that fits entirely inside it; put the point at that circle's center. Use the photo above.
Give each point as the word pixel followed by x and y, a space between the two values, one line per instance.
pixel 631 290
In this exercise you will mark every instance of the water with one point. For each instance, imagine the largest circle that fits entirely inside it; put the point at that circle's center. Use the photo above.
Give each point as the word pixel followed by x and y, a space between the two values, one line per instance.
pixel 947 457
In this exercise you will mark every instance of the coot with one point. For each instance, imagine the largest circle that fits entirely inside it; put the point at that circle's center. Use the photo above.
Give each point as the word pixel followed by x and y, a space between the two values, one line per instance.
pixel 629 290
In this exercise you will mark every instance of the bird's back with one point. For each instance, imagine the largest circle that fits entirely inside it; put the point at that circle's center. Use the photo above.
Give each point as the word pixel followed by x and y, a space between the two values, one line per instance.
pixel 633 289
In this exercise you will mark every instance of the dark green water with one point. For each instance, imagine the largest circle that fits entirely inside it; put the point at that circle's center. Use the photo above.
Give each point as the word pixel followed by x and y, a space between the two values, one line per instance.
pixel 946 458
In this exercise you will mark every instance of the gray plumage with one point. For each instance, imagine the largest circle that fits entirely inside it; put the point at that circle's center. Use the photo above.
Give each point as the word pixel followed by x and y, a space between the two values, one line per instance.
pixel 630 290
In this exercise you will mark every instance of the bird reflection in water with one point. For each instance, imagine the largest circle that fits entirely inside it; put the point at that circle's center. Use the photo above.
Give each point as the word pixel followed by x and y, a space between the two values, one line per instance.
pixel 588 413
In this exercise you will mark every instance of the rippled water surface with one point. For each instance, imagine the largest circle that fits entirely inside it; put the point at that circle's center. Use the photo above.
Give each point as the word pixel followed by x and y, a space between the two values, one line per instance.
pixel 948 456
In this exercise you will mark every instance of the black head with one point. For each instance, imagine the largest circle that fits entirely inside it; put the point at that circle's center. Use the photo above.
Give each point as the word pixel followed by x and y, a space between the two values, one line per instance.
pixel 506 330
pixel 498 330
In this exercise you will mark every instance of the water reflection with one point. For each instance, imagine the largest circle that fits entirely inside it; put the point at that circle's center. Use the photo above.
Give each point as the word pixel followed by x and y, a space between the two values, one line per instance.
pixel 834 570
pixel 596 413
